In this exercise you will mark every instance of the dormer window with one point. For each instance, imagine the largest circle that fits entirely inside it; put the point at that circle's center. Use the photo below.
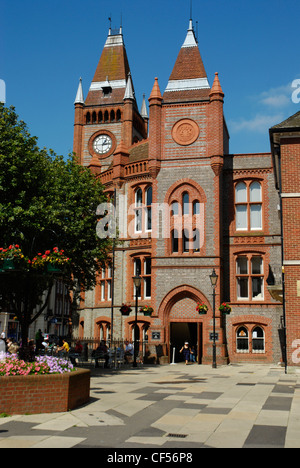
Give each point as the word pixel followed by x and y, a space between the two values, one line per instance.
pixel 106 88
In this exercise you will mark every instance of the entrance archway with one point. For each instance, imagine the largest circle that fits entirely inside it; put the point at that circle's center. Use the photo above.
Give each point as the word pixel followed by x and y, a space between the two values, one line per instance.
pixel 181 320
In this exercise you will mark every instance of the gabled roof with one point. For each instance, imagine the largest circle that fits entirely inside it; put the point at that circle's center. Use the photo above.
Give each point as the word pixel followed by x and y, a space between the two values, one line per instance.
pixel 292 122
pixel 188 80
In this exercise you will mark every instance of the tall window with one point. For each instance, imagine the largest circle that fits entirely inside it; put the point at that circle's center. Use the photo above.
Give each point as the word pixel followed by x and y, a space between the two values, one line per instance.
pixel 258 340
pixel 186 224
pixel 106 283
pixel 148 217
pixel 142 267
pixel 248 206
pixel 242 340
pixel 250 277
pixel 138 210
pixel 143 209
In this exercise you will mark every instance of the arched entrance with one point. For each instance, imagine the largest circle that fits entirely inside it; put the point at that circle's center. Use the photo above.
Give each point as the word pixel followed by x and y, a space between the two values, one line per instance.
pixel 182 322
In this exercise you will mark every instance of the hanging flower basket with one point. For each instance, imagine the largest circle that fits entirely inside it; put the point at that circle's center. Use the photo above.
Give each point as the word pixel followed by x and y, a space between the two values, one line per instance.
pixel 146 310
pixel 225 308
pixel 201 308
pixel 53 261
pixel 125 309
pixel 12 258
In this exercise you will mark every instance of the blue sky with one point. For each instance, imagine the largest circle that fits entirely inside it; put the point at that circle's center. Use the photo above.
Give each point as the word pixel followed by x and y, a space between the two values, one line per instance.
pixel 254 45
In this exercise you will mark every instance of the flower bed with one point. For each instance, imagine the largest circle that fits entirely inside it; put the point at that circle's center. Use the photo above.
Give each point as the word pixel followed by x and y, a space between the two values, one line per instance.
pixel 48 385
pixel 11 365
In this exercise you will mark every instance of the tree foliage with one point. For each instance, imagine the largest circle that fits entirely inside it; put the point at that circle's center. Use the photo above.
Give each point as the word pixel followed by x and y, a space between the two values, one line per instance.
pixel 46 201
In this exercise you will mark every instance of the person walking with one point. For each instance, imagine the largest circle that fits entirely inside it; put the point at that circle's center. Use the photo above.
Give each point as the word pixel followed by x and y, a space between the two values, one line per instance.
pixel 185 350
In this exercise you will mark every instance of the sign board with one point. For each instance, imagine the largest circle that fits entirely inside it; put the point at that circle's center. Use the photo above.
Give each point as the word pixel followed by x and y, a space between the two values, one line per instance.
pixel 155 335
pixel 211 336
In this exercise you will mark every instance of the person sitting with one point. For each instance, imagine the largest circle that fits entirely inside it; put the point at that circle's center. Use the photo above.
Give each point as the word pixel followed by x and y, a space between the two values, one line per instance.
pixel 64 349
pixel 128 351
pixel 12 348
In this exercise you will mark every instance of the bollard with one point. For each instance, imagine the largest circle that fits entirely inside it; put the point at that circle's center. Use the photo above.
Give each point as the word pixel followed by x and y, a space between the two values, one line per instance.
pixel 173 360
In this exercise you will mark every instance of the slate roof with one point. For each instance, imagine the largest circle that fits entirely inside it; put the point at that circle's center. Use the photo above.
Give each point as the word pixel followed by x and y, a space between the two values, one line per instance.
pixel 292 122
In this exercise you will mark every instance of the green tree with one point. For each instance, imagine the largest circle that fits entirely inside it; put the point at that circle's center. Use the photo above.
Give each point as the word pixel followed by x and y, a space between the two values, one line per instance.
pixel 45 202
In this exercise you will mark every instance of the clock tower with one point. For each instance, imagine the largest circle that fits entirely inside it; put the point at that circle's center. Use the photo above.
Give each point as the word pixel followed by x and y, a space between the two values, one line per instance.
pixel 109 114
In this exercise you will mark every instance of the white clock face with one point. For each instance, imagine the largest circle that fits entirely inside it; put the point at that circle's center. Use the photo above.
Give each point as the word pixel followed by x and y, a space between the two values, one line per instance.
pixel 102 144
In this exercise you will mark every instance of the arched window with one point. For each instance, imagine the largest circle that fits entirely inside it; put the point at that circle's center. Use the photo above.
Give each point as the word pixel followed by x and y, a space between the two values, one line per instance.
pixel 255 206
pixel 258 340
pixel 242 340
pixel 143 209
pixel 248 206
pixel 148 209
pixel 100 117
pixel 112 116
pixel 138 210
pixel 118 115
pixel 94 118
pixel 241 206
pixel 106 116
pixel 185 220
pixel 88 118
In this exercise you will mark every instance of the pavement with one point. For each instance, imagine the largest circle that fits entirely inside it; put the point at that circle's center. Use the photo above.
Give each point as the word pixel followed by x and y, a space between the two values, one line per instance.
pixel 171 407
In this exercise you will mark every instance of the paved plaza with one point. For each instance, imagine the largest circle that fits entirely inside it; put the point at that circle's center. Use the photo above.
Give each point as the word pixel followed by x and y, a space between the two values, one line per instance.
pixel 172 406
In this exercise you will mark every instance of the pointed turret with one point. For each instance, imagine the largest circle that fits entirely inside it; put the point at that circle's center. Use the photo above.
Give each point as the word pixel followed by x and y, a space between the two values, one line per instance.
pixel 79 96
pixel 216 87
pixel 78 122
pixel 144 112
pixel 188 80
pixel 155 113
pixel 129 92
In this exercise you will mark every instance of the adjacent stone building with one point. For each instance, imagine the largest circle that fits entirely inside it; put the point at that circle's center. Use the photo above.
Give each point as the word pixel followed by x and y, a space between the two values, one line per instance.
pixel 185 206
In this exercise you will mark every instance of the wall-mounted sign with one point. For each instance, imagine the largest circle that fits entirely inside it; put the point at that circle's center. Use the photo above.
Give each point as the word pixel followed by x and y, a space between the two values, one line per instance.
pixel 211 336
pixel 155 335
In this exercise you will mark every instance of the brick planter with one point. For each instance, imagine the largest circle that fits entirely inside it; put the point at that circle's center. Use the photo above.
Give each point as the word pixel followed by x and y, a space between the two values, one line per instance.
pixel 32 394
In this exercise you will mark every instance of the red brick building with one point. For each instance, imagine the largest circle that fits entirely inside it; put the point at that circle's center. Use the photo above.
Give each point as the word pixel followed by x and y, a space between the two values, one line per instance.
pixel 285 144
pixel 185 206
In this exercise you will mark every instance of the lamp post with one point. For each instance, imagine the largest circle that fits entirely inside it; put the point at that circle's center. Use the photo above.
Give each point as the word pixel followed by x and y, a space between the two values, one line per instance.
pixel 137 283
pixel 213 280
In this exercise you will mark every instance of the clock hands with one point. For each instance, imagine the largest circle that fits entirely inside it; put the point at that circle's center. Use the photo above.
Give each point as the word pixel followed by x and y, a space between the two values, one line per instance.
pixel 105 142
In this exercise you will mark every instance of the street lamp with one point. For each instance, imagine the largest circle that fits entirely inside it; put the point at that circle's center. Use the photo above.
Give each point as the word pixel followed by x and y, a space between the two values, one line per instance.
pixel 213 279
pixel 137 283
